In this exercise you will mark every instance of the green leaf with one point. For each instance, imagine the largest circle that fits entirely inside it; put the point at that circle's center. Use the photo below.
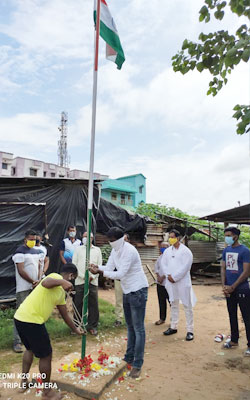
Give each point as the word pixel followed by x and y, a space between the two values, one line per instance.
pixel 200 66
pixel 185 44
pixel 232 52
pixel 246 55
pixel 204 10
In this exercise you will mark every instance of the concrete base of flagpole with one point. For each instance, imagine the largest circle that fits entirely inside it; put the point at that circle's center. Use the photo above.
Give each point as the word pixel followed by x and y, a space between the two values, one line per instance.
pixel 92 392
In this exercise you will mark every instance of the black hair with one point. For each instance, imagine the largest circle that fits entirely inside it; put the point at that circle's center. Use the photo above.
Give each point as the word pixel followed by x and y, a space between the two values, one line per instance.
pixel 69 268
pixel 30 232
pixel 177 233
pixel 115 232
pixel 39 234
pixel 127 234
pixel 71 226
pixel 232 229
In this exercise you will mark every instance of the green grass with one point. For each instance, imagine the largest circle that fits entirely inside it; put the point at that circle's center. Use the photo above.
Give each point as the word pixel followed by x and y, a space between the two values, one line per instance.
pixel 56 327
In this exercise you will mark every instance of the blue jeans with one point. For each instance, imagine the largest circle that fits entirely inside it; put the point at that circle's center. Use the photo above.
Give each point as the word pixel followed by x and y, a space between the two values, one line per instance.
pixel 134 305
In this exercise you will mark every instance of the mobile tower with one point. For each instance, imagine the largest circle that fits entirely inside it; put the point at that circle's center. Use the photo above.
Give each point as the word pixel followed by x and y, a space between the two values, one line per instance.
pixel 63 157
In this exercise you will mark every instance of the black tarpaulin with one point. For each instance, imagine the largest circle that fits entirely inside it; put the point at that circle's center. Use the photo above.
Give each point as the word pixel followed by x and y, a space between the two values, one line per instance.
pixel 59 201
pixel 111 215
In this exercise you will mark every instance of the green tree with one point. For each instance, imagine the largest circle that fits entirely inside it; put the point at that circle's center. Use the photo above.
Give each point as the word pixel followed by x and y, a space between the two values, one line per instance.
pixel 219 52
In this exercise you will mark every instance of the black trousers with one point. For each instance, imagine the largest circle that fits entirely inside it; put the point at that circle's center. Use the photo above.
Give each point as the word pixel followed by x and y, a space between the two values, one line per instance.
pixel 93 309
pixel 232 305
pixel 162 299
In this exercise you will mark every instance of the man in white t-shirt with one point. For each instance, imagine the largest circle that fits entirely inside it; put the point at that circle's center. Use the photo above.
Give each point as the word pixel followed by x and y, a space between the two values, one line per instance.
pixel 68 245
pixel 79 259
pixel 125 259
pixel 28 264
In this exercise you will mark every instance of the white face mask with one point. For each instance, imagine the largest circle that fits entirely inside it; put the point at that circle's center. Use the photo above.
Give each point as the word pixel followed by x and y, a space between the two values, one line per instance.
pixel 72 234
pixel 84 241
pixel 117 244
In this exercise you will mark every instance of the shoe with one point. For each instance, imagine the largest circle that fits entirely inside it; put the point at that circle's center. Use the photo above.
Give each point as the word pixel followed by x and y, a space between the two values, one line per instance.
pixel 160 322
pixel 18 348
pixel 190 336
pixel 170 331
pixel 117 323
pixel 135 373
pixel 93 332
pixel 247 352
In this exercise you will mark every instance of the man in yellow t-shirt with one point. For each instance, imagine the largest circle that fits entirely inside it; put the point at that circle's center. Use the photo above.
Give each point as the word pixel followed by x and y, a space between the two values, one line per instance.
pixel 30 320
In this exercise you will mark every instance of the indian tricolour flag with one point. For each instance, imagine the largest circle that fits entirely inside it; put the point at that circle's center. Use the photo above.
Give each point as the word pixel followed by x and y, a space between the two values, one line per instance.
pixel 109 33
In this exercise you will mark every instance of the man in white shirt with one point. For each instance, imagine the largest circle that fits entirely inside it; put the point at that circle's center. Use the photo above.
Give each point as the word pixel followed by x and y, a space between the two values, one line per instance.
pixel 126 260
pixel 177 262
pixel 79 259
pixel 28 264
pixel 119 295
pixel 68 245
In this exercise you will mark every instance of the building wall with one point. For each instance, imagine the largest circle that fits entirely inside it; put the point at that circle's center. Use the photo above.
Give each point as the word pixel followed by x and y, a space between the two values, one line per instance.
pixel 24 167
pixel 5 163
pixel 122 199
pixel 138 182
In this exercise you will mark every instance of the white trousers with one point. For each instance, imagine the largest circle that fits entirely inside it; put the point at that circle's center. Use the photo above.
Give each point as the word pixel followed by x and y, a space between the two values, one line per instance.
pixel 118 301
pixel 175 316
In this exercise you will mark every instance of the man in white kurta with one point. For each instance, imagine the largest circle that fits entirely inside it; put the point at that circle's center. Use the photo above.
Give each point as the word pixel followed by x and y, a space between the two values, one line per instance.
pixel 177 261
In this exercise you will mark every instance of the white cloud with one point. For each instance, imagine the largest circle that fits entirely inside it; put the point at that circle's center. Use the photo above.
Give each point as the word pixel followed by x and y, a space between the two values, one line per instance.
pixel 199 184
pixel 36 131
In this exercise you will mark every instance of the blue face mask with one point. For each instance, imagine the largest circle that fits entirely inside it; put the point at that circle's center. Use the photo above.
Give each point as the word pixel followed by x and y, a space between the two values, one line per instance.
pixel 229 240
pixel 162 249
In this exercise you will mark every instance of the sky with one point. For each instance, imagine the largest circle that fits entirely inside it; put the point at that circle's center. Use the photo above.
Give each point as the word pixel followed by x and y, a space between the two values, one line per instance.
pixel 150 120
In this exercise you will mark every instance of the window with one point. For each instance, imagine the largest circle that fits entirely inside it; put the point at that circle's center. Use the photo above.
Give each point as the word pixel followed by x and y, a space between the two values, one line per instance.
pixel 13 171
pixel 113 196
pixel 61 176
pixel 141 189
pixel 52 174
pixel 4 165
pixel 129 199
pixel 33 172
pixel 44 174
pixel 123 199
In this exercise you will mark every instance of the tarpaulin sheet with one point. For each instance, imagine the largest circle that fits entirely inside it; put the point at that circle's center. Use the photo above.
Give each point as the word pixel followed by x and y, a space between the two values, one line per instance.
pixel 110 215
pixel 66 204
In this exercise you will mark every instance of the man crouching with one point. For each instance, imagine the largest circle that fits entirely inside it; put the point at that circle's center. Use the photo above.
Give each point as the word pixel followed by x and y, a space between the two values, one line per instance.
pixel 30 320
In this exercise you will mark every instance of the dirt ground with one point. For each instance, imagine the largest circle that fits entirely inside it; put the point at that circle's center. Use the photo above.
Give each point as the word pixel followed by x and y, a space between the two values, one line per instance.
pixel 175 369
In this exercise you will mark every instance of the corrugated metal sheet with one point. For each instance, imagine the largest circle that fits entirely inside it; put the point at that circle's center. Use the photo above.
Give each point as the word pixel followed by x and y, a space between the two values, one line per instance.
pixel 203 251
pixel 149 253
pixel 154 229
pixel 220 246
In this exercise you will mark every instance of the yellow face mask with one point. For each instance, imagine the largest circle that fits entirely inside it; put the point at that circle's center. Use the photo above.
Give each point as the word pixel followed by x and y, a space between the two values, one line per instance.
pixel 30 243
pixel 172 241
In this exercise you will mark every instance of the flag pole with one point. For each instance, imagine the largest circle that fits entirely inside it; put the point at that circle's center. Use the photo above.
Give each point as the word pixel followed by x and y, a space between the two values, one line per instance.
pixel 91 175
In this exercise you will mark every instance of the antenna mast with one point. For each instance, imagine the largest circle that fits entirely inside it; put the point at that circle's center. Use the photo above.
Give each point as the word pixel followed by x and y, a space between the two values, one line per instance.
pixel 63 157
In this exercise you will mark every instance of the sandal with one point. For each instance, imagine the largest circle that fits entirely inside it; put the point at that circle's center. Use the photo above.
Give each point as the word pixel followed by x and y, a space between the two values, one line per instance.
pixel 229 345
pixel 160 322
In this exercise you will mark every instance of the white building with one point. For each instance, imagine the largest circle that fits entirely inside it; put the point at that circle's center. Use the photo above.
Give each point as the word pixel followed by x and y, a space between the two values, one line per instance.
pixel 25 167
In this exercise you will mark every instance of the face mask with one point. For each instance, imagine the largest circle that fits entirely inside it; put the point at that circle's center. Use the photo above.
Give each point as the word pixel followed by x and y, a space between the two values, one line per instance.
pixel 72 234
pixel 30 243
pixel 84 241
pixel 117 244
pixel 172 241
pixel 162 249
pixel 229 240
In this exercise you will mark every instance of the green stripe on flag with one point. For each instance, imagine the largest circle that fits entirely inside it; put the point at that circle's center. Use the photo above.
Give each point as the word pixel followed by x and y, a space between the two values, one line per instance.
pixel 113 41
